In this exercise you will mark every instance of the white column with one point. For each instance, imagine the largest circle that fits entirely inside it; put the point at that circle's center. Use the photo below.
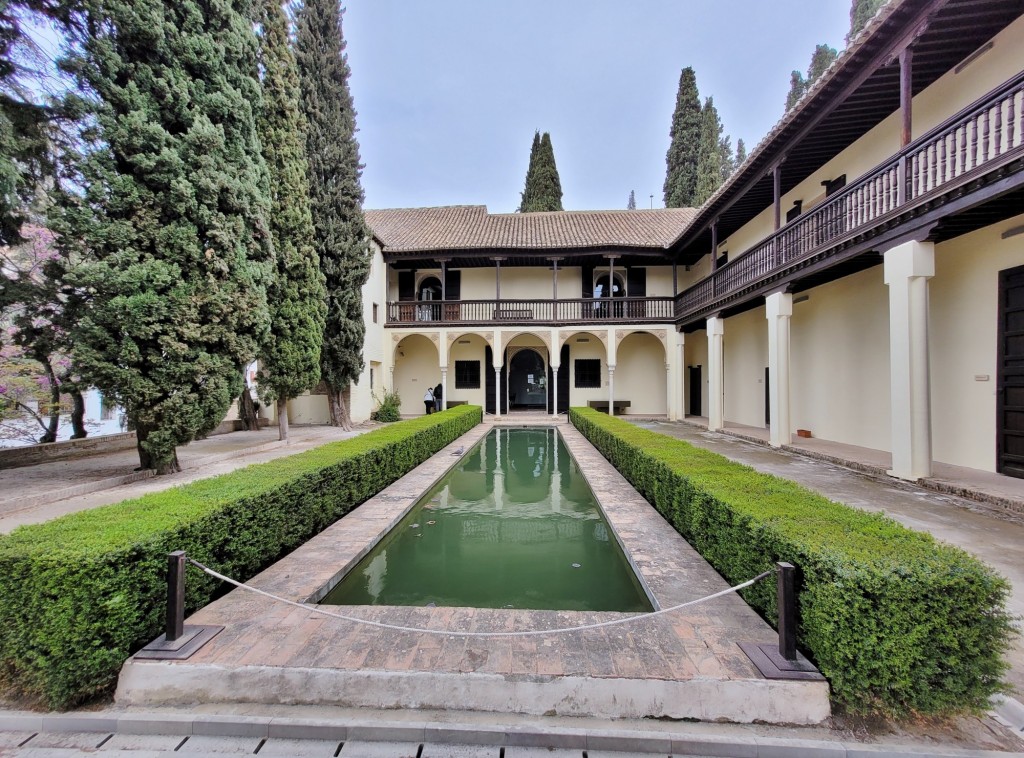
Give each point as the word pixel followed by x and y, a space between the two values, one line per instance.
pixel 497 392
pixel 611 390
pixel 554 391
pixel 444 388
pixel 908 267
pixel 682 378
pixel 778 309
pixel 716 369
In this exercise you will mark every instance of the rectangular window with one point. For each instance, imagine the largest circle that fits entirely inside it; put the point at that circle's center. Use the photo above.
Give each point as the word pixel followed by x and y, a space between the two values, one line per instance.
pixel 588 372
pixel 467 375
pixel 375 313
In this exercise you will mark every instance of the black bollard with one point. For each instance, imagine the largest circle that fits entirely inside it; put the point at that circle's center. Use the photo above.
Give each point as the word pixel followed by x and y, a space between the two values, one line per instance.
pixel 175 595
pixel 786 576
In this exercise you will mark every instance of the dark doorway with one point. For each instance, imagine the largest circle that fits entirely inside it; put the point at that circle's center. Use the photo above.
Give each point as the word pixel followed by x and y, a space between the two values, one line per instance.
pixel 563 383
pixel 430 290
pixel 1010 380
pixel 606 289
pixel 489 404
pixel 767 400
pixel 695 389
pixel 527 381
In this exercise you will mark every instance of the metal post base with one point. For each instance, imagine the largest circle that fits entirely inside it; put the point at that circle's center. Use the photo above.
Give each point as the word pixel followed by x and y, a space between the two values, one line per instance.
pixel 193 638
pixel 773 665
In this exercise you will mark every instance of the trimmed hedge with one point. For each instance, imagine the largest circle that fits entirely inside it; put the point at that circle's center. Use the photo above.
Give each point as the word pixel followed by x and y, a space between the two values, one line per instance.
pixel 897 622
pixel 81 593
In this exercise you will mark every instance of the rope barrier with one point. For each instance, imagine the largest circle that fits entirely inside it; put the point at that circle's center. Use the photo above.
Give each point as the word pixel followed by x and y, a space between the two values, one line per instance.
pixel 448 633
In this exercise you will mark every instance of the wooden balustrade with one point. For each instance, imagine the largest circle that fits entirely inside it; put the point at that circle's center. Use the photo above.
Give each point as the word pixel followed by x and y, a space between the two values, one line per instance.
pixel 952 154
pixel 621 309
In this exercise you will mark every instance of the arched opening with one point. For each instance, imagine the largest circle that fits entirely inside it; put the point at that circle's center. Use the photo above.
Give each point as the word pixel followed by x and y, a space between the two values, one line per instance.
pixel 527 380
pixel 608 288
pixel 429 290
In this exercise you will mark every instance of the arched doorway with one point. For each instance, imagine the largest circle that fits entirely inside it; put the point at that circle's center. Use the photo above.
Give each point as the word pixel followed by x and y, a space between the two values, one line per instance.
pixel 527 381
pixel 605 288
pixel 429 289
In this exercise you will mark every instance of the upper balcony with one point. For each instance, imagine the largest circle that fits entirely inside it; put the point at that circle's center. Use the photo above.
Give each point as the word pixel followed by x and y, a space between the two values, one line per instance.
pixel 562 312
pixel 961 172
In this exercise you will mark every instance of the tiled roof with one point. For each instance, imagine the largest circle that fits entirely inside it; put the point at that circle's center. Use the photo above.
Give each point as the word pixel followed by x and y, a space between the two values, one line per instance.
pixel 468 227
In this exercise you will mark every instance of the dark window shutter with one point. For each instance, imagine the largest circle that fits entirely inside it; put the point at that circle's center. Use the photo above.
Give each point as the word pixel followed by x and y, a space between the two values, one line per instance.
pixel 563 380
pixel 406 285
pixel 636 282
pixel 453 285
pixel 489 380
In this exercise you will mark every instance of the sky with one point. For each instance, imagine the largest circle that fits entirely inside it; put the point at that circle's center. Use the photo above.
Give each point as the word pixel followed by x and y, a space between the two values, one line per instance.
pixel 450 92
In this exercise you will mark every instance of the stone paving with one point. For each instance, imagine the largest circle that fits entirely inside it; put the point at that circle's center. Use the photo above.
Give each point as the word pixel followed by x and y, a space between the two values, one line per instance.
pixel 685 664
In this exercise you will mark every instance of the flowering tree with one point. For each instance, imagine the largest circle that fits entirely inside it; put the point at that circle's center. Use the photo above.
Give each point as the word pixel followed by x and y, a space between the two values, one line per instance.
pixel 34 368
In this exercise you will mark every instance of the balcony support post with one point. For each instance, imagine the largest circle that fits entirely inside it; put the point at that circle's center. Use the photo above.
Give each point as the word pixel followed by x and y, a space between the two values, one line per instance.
pixel 777 193
pixel 906 95
pixel 778 310
pixel 716 380
pixel 907 269
pixel 714 245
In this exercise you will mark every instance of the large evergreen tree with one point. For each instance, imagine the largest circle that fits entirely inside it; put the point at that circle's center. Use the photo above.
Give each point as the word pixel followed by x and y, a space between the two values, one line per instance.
pixel 341 236
pixel 741 153
pixel 711 159
pixel 290 359
pixel 166 210
pixel 683 151
pixel 631 203
pixel 821 59
pixel 861 11
pixel 543 188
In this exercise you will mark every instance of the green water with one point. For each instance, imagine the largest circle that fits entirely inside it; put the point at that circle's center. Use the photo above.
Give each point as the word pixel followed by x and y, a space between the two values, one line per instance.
pixel 514 525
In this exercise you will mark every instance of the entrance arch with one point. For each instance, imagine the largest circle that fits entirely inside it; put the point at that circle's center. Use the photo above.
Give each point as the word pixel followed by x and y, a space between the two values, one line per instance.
pixel 527 380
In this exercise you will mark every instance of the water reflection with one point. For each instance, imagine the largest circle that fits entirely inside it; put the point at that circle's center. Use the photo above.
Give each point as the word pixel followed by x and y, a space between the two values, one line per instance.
pixel 513 525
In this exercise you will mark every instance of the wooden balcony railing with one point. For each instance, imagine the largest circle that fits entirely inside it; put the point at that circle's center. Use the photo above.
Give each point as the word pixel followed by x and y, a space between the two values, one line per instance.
pixel 580 310
pixel 980 138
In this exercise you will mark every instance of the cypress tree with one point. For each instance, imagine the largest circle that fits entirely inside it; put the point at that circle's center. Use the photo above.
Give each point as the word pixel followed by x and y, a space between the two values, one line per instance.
pixel 728 162
pixel 683 150
pixel 290 361
pixel 797 87
pixel 341 236
pixel 528 197
pixel 710 164
pixel 631 204
pixel 543 189
pixel 168 214
pixel 862 11
pixel 822 58
pixel 741 153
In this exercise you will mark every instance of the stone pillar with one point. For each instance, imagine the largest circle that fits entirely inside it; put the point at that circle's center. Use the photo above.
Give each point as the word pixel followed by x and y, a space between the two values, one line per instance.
pixel 611 390
pixel 716 370
pixel 908 267
pixel 444 388
pixel 554 390
pixel 681 373
pixel 497 392
pixel 778 309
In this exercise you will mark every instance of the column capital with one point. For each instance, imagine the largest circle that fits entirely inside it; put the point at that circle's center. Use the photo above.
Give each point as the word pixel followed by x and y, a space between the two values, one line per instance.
pixel 908 260
pixel 778 305
pixel 715 325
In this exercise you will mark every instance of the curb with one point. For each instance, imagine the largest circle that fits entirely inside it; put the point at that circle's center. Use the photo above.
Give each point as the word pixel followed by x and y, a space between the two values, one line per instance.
pixel 679 743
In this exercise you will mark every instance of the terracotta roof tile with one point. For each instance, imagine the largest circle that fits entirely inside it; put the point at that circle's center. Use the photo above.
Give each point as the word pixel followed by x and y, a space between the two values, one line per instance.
pixel 467 227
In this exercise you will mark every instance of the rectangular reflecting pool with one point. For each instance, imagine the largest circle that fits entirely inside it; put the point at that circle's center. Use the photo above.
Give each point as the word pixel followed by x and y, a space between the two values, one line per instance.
pixel 513 525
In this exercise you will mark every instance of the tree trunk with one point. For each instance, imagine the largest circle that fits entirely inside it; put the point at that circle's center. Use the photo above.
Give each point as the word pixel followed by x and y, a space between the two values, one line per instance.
pixel 78 416
pixel 247 411
pixel 50 435
pixel 282 419
pixel 337 402
pixel 147 461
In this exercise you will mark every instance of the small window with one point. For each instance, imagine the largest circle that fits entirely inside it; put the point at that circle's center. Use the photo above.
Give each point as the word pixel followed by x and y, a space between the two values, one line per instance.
pixel 372 385
pixel 795 211
pixel 467 375
pixel 722 259
pixel 588 372
pixel 834 185
pixel 375 313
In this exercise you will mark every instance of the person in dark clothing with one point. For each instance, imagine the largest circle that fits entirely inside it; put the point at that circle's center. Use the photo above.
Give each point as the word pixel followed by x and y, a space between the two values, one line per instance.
pixel 428 400
pixel 438 391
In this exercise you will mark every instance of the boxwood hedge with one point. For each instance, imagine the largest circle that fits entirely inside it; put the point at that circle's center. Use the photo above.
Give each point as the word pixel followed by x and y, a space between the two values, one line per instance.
pixel 898 623
pixel 79 594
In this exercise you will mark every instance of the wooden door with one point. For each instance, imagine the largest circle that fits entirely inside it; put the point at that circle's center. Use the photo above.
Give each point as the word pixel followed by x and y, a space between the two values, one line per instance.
pixel 1010 380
